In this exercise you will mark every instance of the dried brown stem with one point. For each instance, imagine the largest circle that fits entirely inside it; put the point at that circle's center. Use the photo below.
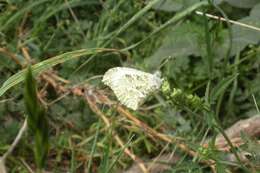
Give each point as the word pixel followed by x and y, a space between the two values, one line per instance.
pixel 150 132
pixel 95 97
pixel 94 108
pixel 10 55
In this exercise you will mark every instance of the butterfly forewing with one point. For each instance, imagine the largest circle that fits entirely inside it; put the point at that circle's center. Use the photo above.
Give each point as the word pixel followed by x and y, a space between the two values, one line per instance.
pixel 131 86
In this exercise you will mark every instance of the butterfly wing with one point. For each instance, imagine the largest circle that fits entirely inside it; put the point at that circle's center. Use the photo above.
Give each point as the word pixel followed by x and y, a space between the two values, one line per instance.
pixel 131 86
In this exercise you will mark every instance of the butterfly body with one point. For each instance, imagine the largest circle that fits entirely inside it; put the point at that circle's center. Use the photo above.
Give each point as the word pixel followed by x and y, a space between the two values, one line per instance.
pixel 131 86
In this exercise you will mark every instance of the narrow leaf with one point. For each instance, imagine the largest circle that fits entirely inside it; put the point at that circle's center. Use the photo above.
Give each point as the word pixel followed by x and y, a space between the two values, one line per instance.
pixel 46 64
pixel 221 87
pixel 37 122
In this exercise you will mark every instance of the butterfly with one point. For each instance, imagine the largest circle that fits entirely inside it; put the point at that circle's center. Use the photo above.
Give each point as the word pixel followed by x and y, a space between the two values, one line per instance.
pixel 131 86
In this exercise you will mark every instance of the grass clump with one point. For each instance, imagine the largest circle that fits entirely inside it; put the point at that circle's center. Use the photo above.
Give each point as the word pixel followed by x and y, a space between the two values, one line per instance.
pixel 211 77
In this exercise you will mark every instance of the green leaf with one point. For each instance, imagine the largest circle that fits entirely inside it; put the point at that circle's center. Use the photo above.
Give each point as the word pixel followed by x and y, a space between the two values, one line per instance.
pixel 188 39
pixel 242 3
pixel 243 36
pixel 180 41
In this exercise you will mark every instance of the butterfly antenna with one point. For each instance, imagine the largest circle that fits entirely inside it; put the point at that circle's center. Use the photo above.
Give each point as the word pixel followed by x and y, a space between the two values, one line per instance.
pixel 166 60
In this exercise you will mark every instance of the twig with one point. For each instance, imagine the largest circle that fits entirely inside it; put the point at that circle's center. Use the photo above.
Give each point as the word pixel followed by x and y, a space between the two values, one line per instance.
pixel 95 97
pixel 2 166
pixel 58 78
pixel 26 54
pixel 151 132
pixel 158 158
pixel 11 148
pixel 10 55
pixel 23 48
pixel 16 140
pixel 231 21
pixel 95 109
pixel 27 166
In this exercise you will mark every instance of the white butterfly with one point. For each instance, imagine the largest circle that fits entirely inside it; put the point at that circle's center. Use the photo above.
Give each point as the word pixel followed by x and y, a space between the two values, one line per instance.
pixel 131 86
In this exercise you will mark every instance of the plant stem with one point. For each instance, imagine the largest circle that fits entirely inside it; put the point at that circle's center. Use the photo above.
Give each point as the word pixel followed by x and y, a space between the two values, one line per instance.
pixel 16 140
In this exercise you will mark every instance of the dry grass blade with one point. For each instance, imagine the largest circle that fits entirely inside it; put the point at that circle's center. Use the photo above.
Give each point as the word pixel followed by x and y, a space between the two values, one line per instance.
pixel 2 166
pixel 13 145
pixel 10 55
pixel 148 130
pixel 94 107
pixel 95 97
pixel 231 21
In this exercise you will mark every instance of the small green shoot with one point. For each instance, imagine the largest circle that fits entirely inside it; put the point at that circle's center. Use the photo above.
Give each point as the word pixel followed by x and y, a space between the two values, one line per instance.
pixel 37 121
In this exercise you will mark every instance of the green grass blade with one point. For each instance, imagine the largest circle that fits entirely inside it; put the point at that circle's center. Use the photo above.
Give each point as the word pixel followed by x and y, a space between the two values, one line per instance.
pixel 37 122
pixel 230 36
pixel 20 13
pixel 46 64
pixel 174 19
pixel 136 17
pixel 93 149
pixel 30 98
pixel 221 87
pixel 120 154
pixel 124 27
pixel 209 60
pixel 60 7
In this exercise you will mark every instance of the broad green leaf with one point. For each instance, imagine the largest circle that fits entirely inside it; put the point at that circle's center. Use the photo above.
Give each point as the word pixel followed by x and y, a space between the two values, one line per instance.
pixel 243 36
pixel 242 3
pixel 180 41
pixel 255 12
pixel 46 64
pixel 173 5
pixel 169 5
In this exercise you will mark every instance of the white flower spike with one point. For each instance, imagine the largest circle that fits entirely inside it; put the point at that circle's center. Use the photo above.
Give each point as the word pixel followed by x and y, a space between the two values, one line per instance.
pixel 131 86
